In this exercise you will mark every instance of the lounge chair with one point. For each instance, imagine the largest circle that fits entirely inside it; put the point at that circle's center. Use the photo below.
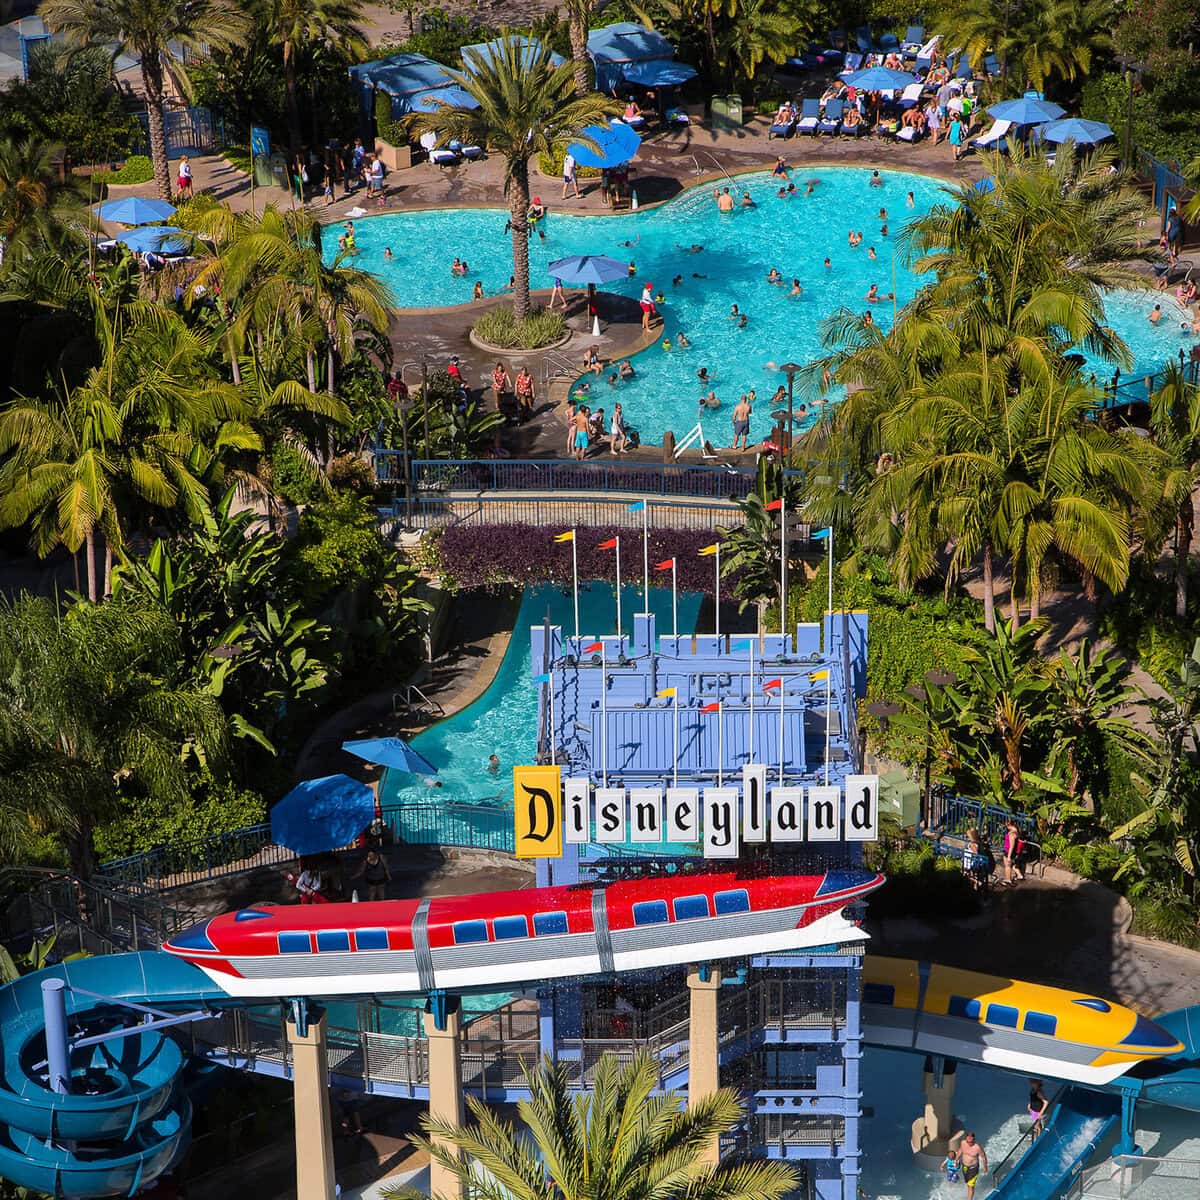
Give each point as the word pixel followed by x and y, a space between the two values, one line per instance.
pixel 851 62
pixel 443 158
pixel 863 39
pixel 888 42
pixel 783 129
pixel 913 38
pixel 927 50
pixel 472 153
pixel 832 121
pixel 994 138
pixel 855 130
pixel 911 96
pixel 810 117
pixel 921 66
pixel 991 64
pixel 908 133
pixel 677 117
pixel 963 70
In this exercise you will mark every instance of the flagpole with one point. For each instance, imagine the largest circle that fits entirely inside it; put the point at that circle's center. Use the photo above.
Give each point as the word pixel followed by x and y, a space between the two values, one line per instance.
pixel 675 740
pixel 618 586
pixel 603 716
pixel 783 625
pixel 782 686
pixel 674 602
pixel 575 579
pixel 829 658
pixel 717 594
pixel 553 739
pixel 720 741
pixel 751 758
pixel 646 557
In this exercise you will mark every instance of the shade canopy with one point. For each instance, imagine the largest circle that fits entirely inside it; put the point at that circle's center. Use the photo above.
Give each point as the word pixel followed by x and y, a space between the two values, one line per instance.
pixel 451 97
pixel 1026 111
pixel 616 49
pixel 1077 130
pixel 403 77
pixel 617 143
pixel 157 239
pixel 660 72
pixel 588 268
pixel 391 752
pixel 322 814
pixel 880 79
pixel 134 210
pixel 529 49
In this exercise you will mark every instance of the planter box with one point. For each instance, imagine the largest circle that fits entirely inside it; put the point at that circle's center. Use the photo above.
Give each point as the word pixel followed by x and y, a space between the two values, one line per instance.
pixel 394 158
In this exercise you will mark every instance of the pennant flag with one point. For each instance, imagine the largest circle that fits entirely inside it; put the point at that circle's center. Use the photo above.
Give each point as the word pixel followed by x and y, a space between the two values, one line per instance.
pixel 744 645
pixel 774 506
pixel 611 544
pixel 711 707
pixel 594 648
pixel 815 675
pixel 569 536
pixel 709 550
pixel 667 692
pixel 772 685
pixel 819 535
pixel 666 565
pixel 637 506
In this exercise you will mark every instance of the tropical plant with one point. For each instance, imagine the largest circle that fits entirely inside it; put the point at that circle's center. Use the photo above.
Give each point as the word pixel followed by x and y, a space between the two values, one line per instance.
pixel 621 1141
pixel 36 206
pixel 92 716
pixel 152 32
pixel 526 107
pixel 750 553
pixel 579 16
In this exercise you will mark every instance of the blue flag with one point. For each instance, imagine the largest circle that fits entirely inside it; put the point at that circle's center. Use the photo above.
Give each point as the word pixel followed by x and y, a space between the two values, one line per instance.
pixel 819 535
pixel 541 679
pixel 636 507
pixel 742 645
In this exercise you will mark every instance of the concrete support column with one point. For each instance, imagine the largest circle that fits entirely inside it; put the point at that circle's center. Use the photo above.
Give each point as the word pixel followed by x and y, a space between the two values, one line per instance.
pixel 704 1061
pixel 314 1127
pixel 936 1133
pixel 445 1090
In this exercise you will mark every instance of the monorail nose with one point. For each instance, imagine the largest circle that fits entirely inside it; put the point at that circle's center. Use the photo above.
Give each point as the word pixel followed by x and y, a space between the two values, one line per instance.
pixel 852 881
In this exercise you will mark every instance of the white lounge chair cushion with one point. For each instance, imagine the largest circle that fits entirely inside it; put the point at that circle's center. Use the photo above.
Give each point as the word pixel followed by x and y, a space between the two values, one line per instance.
pixel 997 131
pixel 441 157
pixel 907 133
pixel 912 92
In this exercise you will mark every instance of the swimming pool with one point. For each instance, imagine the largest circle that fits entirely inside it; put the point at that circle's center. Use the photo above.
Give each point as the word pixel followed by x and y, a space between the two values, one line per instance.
pixel 794 236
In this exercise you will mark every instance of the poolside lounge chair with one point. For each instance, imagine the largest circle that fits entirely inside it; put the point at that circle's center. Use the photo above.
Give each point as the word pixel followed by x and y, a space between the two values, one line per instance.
pixel 991 64
pixel 963 70
pixel 857 129
pixel 911 96
pixel 810 117
pixel 677 117
pixel 782 129
pixel 994 138
pixel 832 121
pixel 888 42
pixel 913 38
pixel 908 133
pixel 472 153
pixel 851 62
pixel 443 158
pixel 863 39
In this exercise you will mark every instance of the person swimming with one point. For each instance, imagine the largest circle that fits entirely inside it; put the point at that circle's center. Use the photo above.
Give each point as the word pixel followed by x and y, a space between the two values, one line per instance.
pixel 871 252
pixel 796 288
pixel 773 276
pixel 747 202
pixel 683 339
pixel 702 375
pixel 677 281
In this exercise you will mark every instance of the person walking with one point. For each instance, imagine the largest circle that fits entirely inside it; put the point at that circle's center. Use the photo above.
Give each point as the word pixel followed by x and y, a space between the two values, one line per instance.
pixel 526 399
pixel 957 136
pixel 501 385
pixel 184 183
pixel 1038 1104
pixel 1012 853
pixel 556 295
pixel 375 873
pixel 569 180
pixel 618 439
pixel 647 303
pixel 741 424
pixel 971 1158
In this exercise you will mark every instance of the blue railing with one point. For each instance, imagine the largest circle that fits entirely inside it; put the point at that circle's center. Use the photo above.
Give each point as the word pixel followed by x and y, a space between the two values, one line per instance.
pixel 446 823
pixel 990 819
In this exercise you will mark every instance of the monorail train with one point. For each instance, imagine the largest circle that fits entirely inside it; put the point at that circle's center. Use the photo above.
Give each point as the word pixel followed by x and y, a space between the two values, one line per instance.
pixel 521 937
pixel 1025 1027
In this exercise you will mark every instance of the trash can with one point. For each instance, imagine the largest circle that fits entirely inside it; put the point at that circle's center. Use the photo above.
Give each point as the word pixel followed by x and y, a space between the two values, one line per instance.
pixel 263 175
pixel 733 108
pixel 719 112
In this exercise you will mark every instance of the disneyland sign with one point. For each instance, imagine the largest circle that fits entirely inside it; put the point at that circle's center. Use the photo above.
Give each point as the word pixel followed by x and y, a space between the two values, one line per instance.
pixel 550 812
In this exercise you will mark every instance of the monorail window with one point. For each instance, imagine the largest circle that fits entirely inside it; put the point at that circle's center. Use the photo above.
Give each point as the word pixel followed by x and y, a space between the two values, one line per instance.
pixel 1036 1022
pixel 553 922
pixel 295 943
pixel 650 912
pixel 879 993
pixel 333 939
pixel 508 928
pixel 1091 1002
pixel 960 1006
pixel 687 907
pixel 466 932
pixel 371 939
pixel 250 914
pixel 737 901
pixel 1002 1014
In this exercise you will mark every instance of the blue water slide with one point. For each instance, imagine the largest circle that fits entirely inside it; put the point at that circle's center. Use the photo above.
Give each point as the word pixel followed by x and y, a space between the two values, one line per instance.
pixel 126 1117
pixel 1075 1127
pixel 1175 1080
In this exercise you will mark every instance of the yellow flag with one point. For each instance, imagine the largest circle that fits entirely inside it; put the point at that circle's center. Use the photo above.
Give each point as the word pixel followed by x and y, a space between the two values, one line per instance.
pixel 815 675
pixel 569 536
pixel 537 812
pixel 667 692
pixel 708 550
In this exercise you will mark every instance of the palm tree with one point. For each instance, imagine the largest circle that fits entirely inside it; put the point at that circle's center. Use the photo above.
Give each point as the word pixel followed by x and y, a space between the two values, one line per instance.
pixel 621 1141
pixel 91 718
pixel 757 33
pixel 292 23
pixel 526 107
pixel 579 15
pixel 35 206
pixel 151 31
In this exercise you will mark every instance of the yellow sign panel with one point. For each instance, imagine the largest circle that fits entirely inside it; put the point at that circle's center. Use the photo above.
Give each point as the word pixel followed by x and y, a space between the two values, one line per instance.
pixel 537 812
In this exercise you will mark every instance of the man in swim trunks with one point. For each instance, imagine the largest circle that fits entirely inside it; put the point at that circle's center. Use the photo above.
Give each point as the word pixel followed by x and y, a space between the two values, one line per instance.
pixel 972 1158
pixel 725 202
pixel 741 423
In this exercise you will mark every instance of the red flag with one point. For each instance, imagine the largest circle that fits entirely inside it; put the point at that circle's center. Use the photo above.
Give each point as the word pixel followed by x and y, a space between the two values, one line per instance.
pixel 773 684
pixel 664 566
pixel 594 648
pixel 711 707
pixel 774 506
pixel 611 544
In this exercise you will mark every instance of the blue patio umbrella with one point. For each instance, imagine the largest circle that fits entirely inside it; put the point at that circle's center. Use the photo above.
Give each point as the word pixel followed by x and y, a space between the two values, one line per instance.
pixel 134 210
pixel 1026 111
pixel 161 239
pixel 1077 130
pixel 322 814
pixel 390 752
pixel 617 143
pixel 985 185
pixel 453 96
pixel 588 268
pixel 880 79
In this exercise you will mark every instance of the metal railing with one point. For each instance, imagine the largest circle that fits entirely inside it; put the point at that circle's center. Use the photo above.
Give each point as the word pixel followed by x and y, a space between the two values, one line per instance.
pixel 990 819
pixel 1123 1177
pixel 1018 1148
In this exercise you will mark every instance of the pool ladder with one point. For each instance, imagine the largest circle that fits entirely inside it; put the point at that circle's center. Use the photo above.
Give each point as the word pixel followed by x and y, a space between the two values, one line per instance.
pixel 412 699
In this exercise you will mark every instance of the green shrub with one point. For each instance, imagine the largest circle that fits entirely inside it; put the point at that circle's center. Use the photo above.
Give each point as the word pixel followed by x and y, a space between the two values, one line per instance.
pixel 240 158
pixel 920 883
pixel 499 327
pixel 188 214
pixel 552 164
pixel 290 477
pixel 137 168
pixel 1170 919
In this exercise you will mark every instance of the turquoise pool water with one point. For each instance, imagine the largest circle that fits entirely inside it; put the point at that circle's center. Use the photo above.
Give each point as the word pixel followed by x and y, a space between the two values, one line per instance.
pixel 739 249
pixel 503 720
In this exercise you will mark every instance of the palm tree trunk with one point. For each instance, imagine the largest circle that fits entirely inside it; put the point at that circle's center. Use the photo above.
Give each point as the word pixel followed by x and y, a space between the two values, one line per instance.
pixel 1014 601
pixel 152 82
pixel 107 569
pixel 311 363
pixel 578 26
pixel 329 368
pixel 1183 553
pixel 90 550
pixel 235 367
pixel 81 853
pixel 989 591
pixel 293 96
pixel 518 207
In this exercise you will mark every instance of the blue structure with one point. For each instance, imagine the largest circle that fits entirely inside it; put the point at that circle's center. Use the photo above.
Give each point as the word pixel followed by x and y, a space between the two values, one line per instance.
pixel 630 51
pixel 530 50
pixel 403 77
pixel 790 1024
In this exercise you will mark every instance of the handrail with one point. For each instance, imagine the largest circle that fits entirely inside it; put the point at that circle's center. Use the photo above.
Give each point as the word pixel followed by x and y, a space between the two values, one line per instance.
pixel 1003 1167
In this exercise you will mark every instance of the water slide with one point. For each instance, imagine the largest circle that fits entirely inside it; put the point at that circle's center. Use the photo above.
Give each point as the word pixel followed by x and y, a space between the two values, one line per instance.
pixel 127 1118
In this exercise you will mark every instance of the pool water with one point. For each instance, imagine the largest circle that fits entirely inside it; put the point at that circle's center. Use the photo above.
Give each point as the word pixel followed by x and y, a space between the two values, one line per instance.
pixel 503 720
pixel 794 236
